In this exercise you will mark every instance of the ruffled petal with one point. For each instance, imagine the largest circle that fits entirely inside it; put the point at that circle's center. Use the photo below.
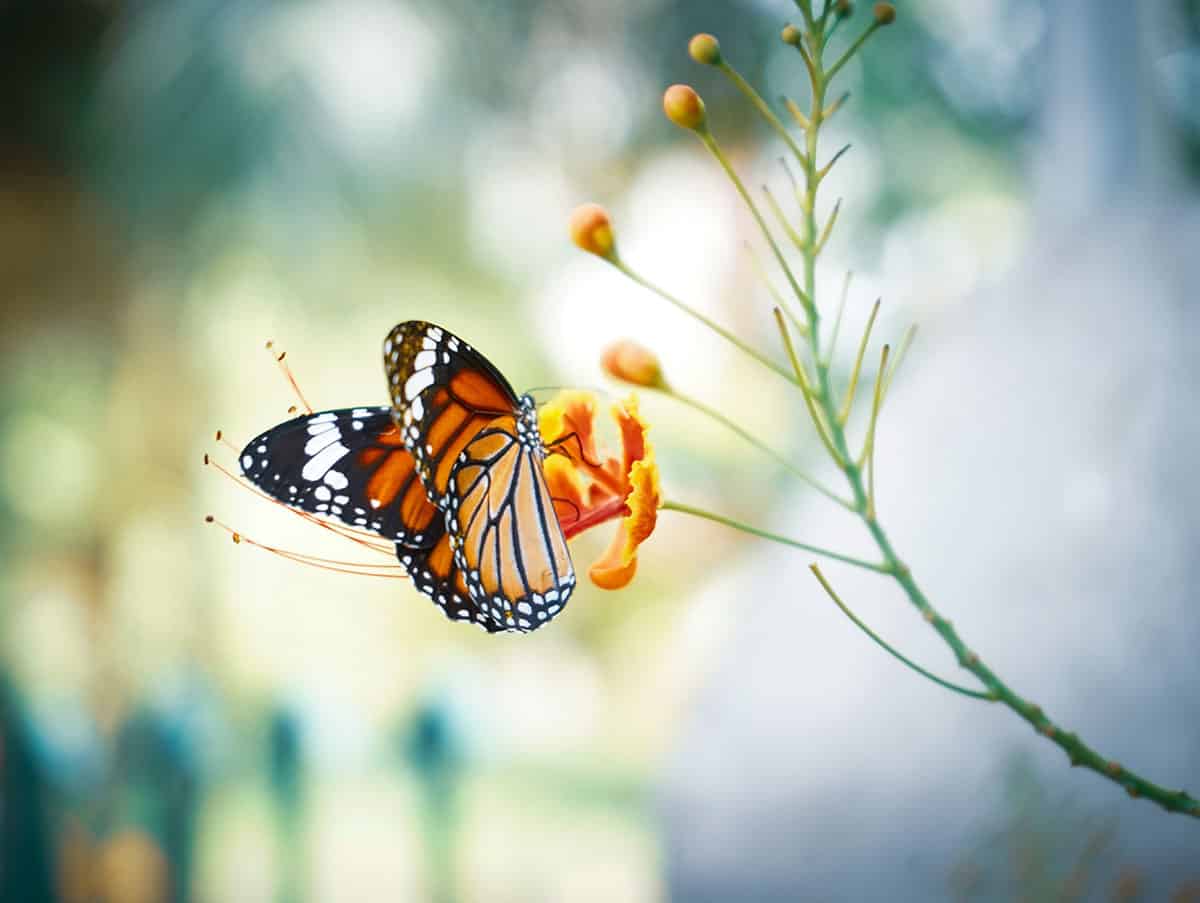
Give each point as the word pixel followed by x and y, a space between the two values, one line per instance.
pixel 643 501
pixel 613 570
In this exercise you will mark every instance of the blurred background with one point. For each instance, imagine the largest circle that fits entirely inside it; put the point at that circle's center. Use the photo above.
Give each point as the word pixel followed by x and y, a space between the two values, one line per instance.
pixel 182 718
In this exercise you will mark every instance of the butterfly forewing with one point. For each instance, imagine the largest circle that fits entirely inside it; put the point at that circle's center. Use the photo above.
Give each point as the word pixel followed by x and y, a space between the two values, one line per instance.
pixel 349 464
pixel 443 392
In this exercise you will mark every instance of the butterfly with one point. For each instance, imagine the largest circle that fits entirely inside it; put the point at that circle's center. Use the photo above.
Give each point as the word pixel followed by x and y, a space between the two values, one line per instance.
pixel 451 472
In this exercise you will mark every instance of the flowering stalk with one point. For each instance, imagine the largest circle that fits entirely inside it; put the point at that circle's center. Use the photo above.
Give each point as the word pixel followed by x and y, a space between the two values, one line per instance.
pixel 830 409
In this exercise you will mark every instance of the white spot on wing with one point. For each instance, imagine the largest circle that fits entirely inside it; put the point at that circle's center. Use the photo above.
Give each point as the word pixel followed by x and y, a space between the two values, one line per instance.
pixel 320 441
pixel 416 383
pixel 336 479
pixel 317 465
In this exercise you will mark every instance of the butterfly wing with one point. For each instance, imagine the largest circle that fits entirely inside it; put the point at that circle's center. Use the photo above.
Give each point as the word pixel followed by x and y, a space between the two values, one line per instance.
pixel 507 539
pixel 435 573
pixel 349 464
pixel 443 392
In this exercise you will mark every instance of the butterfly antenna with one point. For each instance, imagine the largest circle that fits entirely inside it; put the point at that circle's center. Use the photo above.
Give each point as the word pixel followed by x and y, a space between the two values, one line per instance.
pixel 578 513
pixel 289 376
pixel 562 440
pixel 362 537
pixel 359 569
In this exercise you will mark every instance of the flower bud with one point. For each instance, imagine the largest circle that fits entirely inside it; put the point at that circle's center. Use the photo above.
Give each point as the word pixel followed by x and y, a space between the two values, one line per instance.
pixel 591 230
pixel 791 35
pixel 684 107
pixel 704 48
pixel 843 8
pixel 632 363
pixel 885 13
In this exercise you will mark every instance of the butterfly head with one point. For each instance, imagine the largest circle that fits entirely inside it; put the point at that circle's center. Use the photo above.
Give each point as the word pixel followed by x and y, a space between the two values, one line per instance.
pixel 528 433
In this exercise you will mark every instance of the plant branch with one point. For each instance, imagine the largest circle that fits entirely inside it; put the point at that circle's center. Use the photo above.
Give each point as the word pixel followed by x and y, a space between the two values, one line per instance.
pixel 734 427
pixel 692 312
pixel 975 694
pixel 773 537
pixel 715 149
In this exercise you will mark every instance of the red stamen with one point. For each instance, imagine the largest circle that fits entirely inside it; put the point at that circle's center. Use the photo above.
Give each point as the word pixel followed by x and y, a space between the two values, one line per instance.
pixel 364 538
pixel 357 568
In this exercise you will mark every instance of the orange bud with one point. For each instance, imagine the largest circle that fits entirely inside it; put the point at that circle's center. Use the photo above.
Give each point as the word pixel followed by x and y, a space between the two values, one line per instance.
pixel 885 13
pixel 592 231
pixel 790 35
pixel 704 48
pixel 632 363
pixel 684 107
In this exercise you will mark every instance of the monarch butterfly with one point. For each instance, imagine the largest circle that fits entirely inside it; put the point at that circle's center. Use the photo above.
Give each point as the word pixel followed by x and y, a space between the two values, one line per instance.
pixel 451 473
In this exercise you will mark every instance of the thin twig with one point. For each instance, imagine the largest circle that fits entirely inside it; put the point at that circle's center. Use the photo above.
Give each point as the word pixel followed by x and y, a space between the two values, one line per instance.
pixel 975 694
pixel 773 537
pixel 844 415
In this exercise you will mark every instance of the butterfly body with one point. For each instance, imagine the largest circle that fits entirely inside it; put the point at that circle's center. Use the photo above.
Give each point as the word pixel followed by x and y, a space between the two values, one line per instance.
pixel 452 472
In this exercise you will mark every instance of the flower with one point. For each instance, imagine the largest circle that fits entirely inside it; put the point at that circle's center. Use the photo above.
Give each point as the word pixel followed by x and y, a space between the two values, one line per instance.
pixel 591 487
pixel 632 363
pixel 684 107
pixel 885 13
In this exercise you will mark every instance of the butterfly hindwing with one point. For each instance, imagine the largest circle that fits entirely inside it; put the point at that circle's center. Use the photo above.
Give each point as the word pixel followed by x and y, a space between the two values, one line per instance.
pixel 434 571
pixel 507 539
pixel 349 464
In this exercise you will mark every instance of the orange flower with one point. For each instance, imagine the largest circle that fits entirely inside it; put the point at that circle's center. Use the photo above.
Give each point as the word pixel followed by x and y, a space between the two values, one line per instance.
pixel 591 487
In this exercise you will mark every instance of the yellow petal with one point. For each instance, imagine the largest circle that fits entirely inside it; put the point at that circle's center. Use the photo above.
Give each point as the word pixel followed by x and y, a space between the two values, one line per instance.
pixel 643 500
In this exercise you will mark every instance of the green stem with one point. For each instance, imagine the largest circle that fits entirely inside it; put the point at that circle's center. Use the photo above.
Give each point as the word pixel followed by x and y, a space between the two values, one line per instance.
pixel 773 537
pixel 757 443
pixel 765 111
pixel 692 312
pixel 850 51
pixel 715 149
pixel 975 694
